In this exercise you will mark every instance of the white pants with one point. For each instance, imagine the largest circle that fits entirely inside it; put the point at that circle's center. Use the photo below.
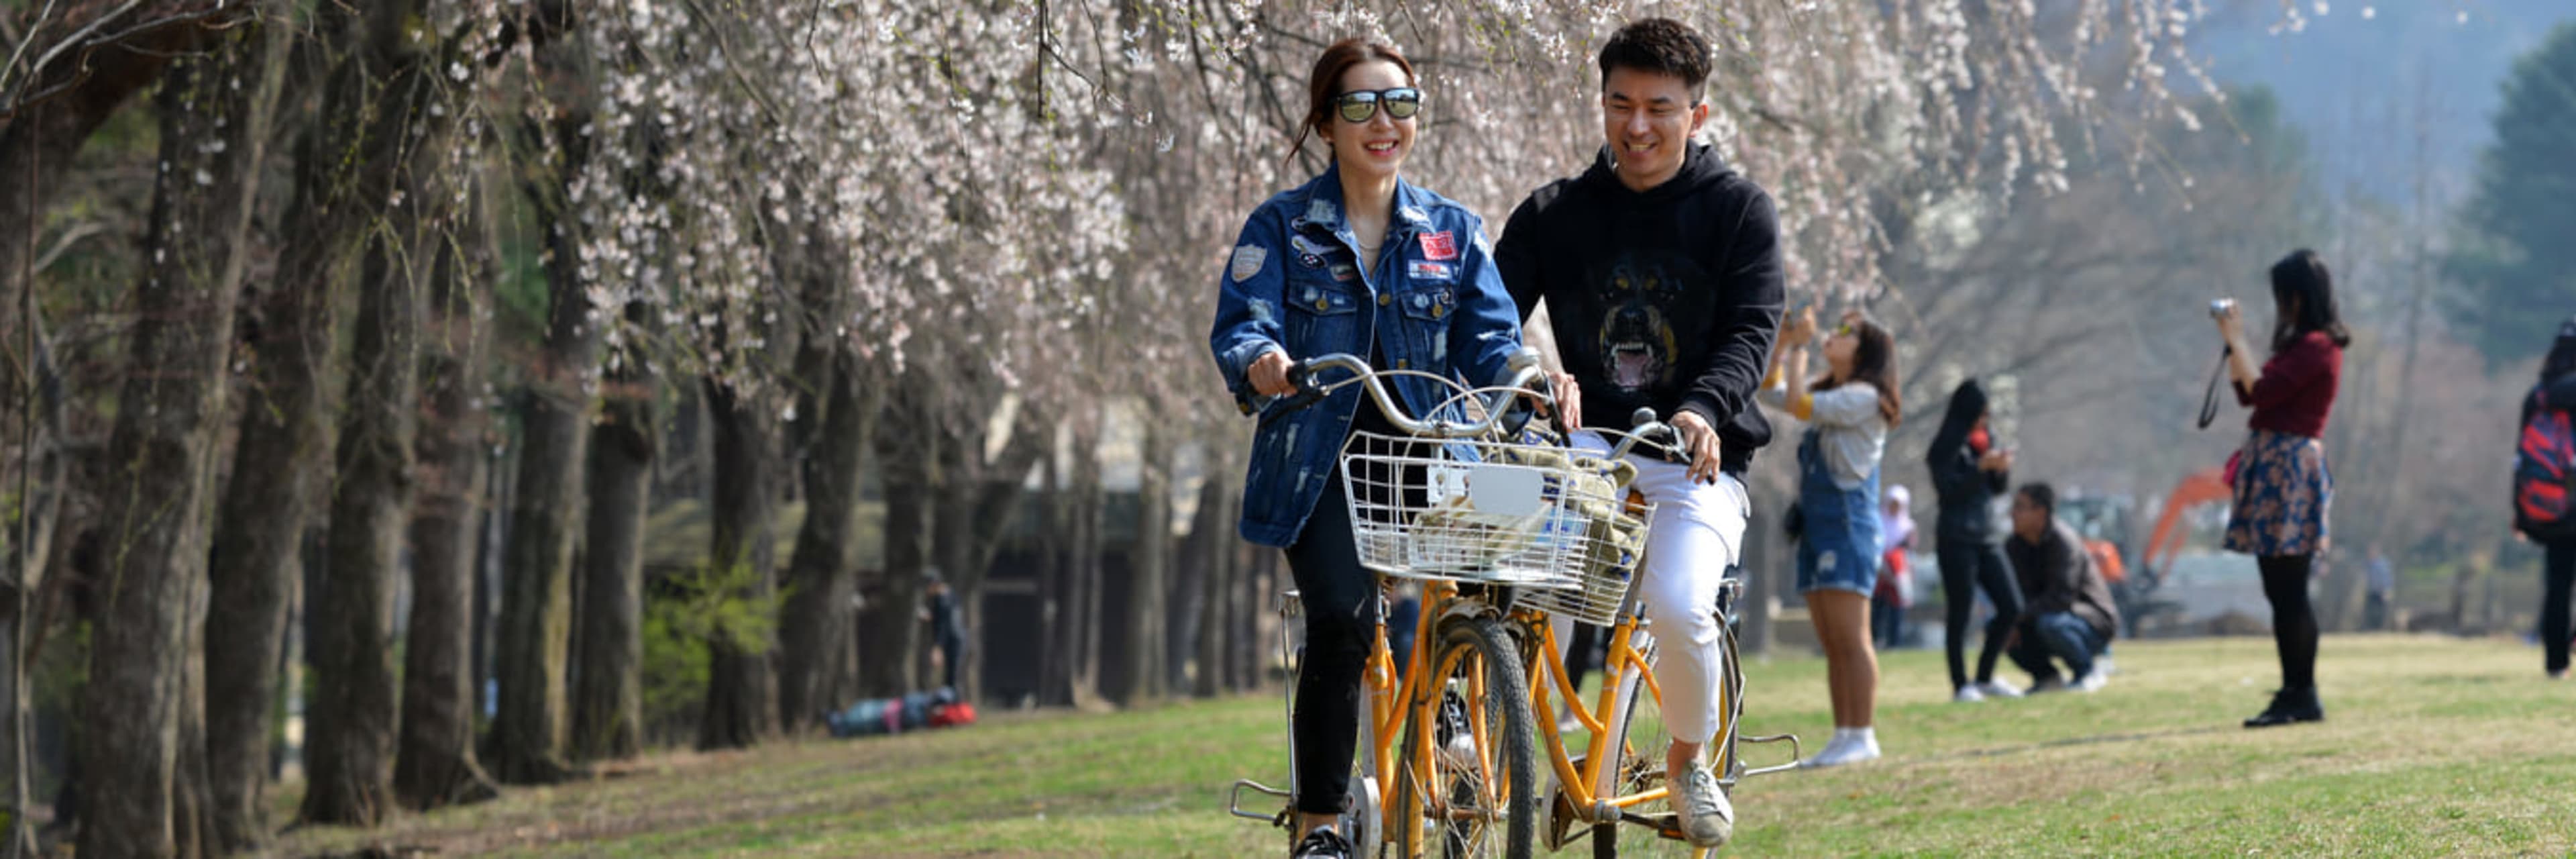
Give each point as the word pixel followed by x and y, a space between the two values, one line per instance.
pixel 1697 534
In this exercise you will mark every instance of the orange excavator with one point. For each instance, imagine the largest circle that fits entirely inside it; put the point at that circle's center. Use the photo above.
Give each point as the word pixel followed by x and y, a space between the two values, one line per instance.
pixel 2156 558
pixel 2201 487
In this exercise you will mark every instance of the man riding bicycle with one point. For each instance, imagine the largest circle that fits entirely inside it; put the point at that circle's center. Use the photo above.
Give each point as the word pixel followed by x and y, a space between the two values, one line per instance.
pixel 1660 267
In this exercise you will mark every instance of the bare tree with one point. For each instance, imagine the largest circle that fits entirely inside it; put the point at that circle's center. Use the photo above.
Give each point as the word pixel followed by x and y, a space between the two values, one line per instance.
pixel 434 762
pixel 162 449
pixel 527 740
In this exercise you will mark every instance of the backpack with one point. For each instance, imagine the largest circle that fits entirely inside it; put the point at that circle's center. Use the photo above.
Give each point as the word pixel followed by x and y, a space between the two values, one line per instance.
pixel 2544 463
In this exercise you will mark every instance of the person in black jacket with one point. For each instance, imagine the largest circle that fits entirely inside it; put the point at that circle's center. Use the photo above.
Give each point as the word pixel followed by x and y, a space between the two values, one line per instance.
pixel 2556 392
pixel 1968 471
pixel 1661 272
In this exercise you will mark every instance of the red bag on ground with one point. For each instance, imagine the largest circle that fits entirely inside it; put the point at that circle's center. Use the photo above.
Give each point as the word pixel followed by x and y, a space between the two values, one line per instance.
pixel 960 713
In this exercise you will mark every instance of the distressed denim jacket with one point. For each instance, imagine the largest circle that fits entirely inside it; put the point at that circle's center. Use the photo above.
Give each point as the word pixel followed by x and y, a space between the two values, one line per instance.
pixel 1433 303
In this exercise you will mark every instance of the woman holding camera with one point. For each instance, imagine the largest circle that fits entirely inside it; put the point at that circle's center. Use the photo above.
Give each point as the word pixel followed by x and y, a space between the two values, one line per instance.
pixel 2282 487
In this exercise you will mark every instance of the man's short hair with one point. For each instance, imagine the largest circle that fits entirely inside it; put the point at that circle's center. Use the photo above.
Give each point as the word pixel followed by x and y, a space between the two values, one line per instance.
pixel 1659 46
pixel 2041 494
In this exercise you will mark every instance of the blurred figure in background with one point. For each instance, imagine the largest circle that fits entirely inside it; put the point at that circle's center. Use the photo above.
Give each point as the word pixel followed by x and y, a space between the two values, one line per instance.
pixel 1968 471
pixel 1895 591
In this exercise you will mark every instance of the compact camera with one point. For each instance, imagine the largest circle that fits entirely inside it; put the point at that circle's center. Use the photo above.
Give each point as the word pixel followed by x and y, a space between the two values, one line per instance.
pixel 2221 307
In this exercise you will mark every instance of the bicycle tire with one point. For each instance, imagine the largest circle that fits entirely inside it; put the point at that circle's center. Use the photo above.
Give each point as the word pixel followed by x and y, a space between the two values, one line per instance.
pixel 1641 753
pixel 1505 774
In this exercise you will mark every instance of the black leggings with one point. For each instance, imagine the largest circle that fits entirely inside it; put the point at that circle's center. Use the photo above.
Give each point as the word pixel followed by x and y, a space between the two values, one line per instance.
pixel 1965 566
pixel 1341 606
pixel 2556 583
pixel 2294 622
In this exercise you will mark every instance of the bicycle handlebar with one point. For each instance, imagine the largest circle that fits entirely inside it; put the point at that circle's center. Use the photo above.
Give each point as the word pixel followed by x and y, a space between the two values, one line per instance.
pixel 1526 381
pixel 1522 366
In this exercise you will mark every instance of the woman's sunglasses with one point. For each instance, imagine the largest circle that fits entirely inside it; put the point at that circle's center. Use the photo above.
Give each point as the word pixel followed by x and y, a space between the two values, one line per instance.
pixel 1357 106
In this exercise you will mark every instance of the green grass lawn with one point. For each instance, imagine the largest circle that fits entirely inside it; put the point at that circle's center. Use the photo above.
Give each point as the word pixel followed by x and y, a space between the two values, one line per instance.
pixel 2431 746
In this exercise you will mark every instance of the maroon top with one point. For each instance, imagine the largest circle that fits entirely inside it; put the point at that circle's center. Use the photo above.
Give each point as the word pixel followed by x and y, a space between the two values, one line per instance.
pixel 2297 387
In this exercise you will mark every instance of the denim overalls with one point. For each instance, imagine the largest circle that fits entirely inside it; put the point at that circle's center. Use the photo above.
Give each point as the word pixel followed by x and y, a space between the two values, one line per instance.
pixel 1838 544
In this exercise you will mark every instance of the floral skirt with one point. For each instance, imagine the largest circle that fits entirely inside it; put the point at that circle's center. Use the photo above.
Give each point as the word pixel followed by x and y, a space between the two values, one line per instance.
pixel 2282 493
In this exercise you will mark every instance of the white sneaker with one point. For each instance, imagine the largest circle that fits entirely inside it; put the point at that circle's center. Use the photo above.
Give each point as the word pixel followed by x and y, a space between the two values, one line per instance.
pixel 1998 689
pixel 1845 750
pixel 1967 695
pixel 2092 681
pixel 1707 818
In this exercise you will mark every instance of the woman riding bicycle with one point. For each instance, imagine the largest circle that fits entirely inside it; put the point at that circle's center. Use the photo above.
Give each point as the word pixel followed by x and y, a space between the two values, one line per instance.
pixel 1356 260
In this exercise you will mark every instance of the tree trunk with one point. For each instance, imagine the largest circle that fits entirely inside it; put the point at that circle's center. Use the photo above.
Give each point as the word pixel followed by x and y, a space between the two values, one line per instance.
pixel 608 696
pixel 349 754
pixel 154 513
pixel 1089 515
pixel 1149 570
pixel 741 691
pixel 1055 677
pixel 527 738
pixel 821 573
pixel 889 628
pixel 1211 553
pixel 1195 576
pixel 435 763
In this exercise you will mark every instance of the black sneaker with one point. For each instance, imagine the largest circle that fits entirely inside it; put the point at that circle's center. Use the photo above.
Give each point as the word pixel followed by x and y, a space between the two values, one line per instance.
pixel 2290 705
pixel 1323 844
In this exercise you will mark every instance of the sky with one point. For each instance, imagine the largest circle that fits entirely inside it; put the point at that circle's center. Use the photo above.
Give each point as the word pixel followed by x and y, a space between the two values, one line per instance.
pixel 2358 75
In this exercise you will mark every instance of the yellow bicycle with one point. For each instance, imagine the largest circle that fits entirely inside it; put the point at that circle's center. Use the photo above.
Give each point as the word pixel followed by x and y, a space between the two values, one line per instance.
pixel 1501 535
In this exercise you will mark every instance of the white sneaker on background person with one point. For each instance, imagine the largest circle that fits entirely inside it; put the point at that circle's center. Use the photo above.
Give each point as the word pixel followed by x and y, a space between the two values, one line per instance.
pixel 1967 695
pixel 1849 746
pixel 2092 681
pixel 1998 689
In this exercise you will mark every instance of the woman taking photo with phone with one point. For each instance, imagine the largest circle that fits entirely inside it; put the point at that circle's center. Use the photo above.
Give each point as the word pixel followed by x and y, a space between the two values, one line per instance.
pixel 2283 490
pixel 1356 260
pixel 1848 410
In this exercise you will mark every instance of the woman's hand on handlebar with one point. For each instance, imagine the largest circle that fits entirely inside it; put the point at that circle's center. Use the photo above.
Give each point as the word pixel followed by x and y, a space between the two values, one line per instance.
pixel 1269 374
pixel 1569 400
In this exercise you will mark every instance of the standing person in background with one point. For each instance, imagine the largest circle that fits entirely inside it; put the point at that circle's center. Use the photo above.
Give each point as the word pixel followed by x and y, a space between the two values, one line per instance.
pixel 1895 591
pixel 1852 406
pixel 1968 472
pixel 2548 441
pixel 947 628
pixel 2283 490
pixel 2383 588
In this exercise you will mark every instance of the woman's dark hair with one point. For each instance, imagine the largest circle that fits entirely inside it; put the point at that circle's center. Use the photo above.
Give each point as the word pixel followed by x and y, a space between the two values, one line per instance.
pixel 1660 46
pixel 2562 354
pixel 2302 278
pixel 1873 362
pixel 1325 81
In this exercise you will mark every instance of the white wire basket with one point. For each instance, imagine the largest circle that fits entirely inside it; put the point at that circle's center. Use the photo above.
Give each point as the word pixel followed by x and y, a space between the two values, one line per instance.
pixel 1550 520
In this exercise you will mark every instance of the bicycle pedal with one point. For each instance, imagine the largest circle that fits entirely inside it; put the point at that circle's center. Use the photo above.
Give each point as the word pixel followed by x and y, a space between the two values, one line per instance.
pixel 1666 825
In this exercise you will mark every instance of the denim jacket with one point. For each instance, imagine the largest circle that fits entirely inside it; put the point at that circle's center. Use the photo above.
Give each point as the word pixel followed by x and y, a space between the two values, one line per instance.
pixel 1433 303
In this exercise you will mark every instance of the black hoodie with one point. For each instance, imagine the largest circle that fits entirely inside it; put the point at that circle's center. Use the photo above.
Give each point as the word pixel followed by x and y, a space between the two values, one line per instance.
pixel 1967 493
pixel 1667 298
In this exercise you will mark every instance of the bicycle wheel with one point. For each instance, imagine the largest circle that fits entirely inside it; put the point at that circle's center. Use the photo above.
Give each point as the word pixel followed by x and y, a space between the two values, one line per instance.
pixel 1474 794
pixel 1640 739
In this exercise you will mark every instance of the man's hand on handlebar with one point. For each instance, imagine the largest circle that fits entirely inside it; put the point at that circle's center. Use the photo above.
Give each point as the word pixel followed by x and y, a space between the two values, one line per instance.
pixel 1569 400
pixel 1269 374
pixel 1701 441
